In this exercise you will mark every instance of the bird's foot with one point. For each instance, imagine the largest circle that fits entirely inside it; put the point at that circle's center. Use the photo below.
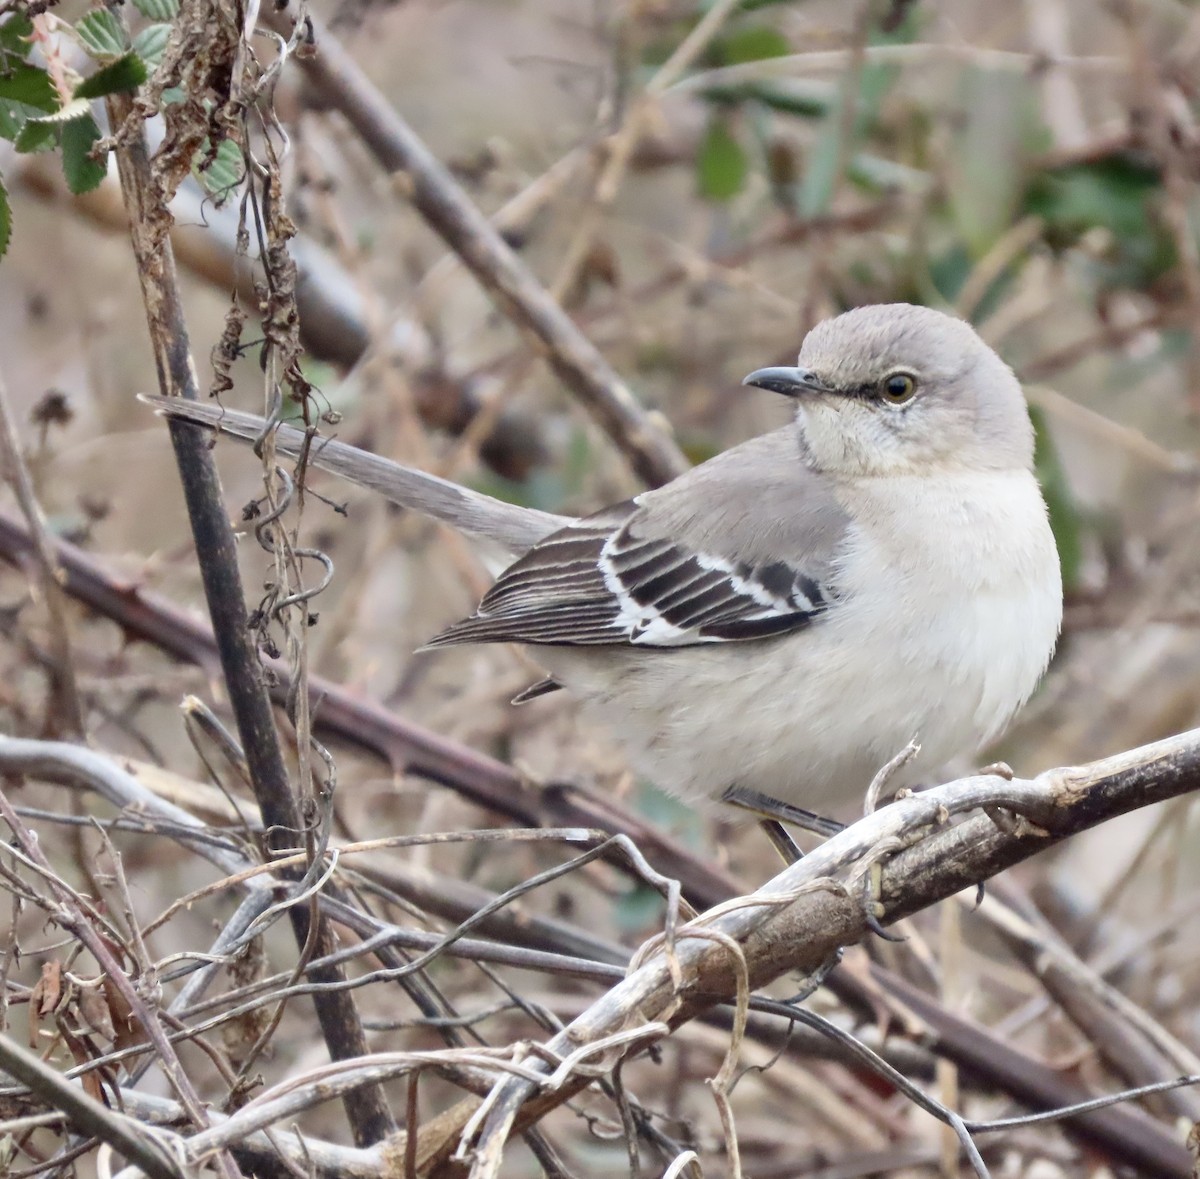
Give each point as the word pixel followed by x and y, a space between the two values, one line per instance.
pixel 872 903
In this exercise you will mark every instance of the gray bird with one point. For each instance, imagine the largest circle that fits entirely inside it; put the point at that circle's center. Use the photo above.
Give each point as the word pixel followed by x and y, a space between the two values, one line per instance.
pixel 786 617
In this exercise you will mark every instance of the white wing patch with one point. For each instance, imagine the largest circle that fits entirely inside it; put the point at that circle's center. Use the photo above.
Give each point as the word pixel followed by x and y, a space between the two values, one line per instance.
pixel 600 583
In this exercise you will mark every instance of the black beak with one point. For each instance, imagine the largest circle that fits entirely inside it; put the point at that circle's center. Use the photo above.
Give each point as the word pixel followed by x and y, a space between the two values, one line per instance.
pixel 791 382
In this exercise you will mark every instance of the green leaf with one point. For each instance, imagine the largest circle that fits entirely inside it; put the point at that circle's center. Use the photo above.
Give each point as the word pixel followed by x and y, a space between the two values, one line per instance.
pixel 28 84
pixel 5 220
pixel 223 173
pixel 1115 193
pixel 37 135
pixel 821 174
pixel 791 96
pixel 752 43
pixel 82 172
pixel 13 117
pixel 101 34
pixel 151 43
pixel 720 163
pixel 987 165
pixel 157 9
pixel 1119 194
pixel 75 109
pixel 877 174
pixel 15 33
pixel 1066 521
pixel 126 73
pixel 949 269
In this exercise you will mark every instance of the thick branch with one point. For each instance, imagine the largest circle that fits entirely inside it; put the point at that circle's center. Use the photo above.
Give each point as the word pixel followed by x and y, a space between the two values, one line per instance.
pixel 335 315
pixel 363 723
pixel 86 1114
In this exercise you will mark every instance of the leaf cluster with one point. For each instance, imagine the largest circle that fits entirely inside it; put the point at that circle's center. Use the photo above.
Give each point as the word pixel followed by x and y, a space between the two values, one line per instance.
pixel 46 106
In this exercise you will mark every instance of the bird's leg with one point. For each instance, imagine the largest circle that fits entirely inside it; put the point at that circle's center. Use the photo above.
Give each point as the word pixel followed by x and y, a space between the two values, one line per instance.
pixel 771 809
pixel 789 850
pixel 773 814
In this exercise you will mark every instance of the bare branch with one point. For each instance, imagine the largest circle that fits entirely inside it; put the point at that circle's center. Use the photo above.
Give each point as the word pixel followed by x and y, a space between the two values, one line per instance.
pixel 139 1145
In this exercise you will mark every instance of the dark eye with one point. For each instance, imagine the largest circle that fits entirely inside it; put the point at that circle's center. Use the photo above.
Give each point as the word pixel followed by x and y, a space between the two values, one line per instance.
pixel 899 388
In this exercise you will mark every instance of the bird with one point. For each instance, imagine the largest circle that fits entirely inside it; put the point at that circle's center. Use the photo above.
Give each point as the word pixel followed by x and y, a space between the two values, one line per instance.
pixel 780 621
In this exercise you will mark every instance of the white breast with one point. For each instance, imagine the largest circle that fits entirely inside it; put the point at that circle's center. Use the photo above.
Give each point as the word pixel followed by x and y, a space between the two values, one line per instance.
pixel 968 611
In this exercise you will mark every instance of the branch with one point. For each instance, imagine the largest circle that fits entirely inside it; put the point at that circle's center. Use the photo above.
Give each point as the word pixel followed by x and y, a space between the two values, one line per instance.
pixel 800 919
pixel 70 916
pixel 449 211
pixel 369 726
pixel 86 1114
pixel 335 315
pixel 261 1152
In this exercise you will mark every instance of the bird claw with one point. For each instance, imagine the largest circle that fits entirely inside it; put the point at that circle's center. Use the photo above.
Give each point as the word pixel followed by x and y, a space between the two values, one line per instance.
pixel 871 907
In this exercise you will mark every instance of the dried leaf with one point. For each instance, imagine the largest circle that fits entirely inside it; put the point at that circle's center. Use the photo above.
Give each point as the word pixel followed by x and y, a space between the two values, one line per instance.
pixel 44 998
pixel 94 1013
pixel 127 1031
pixel 81 1053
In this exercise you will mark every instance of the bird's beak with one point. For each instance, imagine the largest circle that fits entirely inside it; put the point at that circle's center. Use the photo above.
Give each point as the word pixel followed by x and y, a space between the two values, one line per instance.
pixel 791 382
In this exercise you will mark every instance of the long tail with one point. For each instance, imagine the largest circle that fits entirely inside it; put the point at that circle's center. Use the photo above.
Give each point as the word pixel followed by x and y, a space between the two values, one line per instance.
pixel 516 528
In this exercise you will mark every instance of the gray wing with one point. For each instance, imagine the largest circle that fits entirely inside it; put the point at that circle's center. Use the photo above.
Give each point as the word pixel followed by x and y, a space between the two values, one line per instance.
pixel 741 548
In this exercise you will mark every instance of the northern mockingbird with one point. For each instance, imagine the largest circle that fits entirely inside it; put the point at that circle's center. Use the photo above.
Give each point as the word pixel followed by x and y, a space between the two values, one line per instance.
pixel 787 616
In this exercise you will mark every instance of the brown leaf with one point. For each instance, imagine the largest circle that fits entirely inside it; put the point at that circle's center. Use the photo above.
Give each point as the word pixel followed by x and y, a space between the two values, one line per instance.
pixel 82 1053
pixel 127 1031
pixel 44 998
pixel 94 1012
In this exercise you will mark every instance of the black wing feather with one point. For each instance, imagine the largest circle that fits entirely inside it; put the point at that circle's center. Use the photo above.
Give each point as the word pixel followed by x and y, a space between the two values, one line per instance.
pixel 598 582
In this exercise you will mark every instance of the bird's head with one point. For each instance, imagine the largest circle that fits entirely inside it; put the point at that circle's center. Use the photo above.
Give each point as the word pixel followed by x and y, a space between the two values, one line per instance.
pixel 898 389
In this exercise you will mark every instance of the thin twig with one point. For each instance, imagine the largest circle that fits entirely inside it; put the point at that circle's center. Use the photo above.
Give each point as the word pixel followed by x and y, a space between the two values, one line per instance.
pixel 788 925
pixel 496 786
pixel 72 918
pixel 144 1147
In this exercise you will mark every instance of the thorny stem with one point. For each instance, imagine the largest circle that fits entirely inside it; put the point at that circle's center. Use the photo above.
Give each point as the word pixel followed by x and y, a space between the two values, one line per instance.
pixel 72 918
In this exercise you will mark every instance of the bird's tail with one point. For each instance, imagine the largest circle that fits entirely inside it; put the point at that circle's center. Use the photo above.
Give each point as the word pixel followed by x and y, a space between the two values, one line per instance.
pixel 516 528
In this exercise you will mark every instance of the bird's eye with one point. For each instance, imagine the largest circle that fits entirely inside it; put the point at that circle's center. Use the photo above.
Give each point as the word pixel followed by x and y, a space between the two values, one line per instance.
pixel 899 388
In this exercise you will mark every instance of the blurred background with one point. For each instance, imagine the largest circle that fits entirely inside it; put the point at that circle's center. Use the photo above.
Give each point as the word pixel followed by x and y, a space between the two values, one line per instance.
pixel 1030 166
